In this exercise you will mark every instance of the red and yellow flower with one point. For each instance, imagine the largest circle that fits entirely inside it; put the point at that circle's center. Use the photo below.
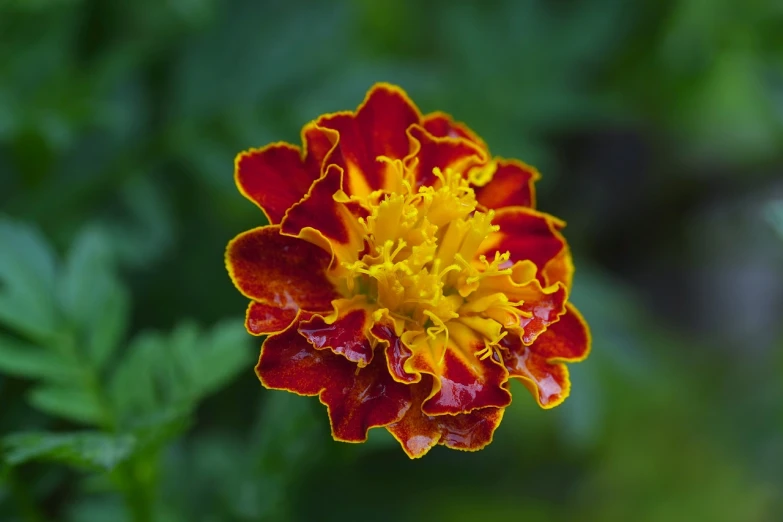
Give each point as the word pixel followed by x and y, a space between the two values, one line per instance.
pixel 405 276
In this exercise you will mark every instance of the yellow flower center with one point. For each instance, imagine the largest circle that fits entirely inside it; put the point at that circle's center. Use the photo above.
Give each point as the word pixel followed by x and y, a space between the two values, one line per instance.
pixel 421 264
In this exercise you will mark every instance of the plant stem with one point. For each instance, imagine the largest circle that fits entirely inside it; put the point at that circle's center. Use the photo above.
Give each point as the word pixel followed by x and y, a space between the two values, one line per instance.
pixel 135 493
pixel 28 509
pixel 131 485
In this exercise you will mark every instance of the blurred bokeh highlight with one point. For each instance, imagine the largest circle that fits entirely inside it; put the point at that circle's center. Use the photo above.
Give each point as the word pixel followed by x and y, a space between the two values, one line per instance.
pixel 657 126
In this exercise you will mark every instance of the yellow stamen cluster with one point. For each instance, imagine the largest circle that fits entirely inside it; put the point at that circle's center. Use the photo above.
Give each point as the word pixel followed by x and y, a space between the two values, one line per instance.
pixel 422 265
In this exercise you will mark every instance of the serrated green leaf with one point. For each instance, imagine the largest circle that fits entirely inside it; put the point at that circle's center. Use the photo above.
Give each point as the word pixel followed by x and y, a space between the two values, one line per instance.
pixel 86 277
pixel 91 450
pixel 109 326
pixel 26 360
pixel 132 386
pixel 222 356
pixel 184 347
pixel 177 370
pixel 92 298
pixel 156 429
pixel 70 403
pixel 284 433
pixel 147 233
pixel 27 275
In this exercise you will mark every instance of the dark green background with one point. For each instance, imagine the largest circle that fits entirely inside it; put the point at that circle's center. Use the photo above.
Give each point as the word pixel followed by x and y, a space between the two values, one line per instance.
pixel 657 125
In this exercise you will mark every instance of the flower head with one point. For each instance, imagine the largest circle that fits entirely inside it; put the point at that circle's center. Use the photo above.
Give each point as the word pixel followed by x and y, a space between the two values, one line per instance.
pixel 405 276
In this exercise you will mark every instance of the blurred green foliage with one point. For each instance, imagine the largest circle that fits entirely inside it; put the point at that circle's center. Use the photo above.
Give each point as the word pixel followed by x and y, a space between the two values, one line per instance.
pixel 126 381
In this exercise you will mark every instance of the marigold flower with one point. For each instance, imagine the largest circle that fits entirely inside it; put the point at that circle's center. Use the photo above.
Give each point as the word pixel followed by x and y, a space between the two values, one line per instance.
pixel 405 276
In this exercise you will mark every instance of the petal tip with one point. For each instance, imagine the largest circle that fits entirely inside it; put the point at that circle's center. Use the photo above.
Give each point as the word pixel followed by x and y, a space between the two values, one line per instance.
pixel 392 90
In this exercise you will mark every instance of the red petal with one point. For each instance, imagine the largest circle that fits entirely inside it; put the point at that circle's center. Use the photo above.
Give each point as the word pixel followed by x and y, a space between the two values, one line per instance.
pixel 546 308
pixel 346 336
pixel 560 269
pixel 396 353
pixel 376 129
pixel 470 431
pixel 320 219
pixel 319 142
pixel 418 432
pixel 429 152
pixel 279 272
pixel 275 177
pixel 289 362
pixel 511 185
pixel 261 319
pixel 441 125
pixel 567 340
pixel 357 399
pixel 547 381
pixel 464 388
pixel 369 398
pixel 525 234
pixel 463 382
pixel 543 306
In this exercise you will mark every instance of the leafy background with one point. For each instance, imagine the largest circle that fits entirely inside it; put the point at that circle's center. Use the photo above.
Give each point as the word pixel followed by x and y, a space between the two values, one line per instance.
pixel 126 381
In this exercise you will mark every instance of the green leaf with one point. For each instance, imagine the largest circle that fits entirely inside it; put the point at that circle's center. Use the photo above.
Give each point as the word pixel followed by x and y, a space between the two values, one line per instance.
pixel 74 404
pixel 26 360
pixel 27 275
pixel 92 298
pixel 155 430
pixel 132 387
pixel 84 277
pixel 286 435
pixel 90 450
pixel 178 370
pixel 109 325
pixel 146 232
pixel 222 356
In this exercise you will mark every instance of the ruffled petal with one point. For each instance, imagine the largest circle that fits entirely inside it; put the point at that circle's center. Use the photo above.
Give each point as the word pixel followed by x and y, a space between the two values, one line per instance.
pixel 547 381
pixel 396 353
pixel 539 366
pixel 321 220
pixel 263 319
pixel 560 269
pixel 442 125
pixel 465 387
pixel 567 340
pixel 318 143
pixel 527 235
pixel 511 185
pixel 274 178
pixel 368 398
pixel 462 381
pixel 469 431
pixel 289 362
pixel 344 333
pixel 418 432
pixel 429 152
pixel 376 129
pixel 279 272
pixel 540 306
pixel 357 399
pixel 545 306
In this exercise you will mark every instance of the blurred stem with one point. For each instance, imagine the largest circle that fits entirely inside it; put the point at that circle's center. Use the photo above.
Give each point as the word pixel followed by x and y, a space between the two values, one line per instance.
pixel 28 509
pixel 135 490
